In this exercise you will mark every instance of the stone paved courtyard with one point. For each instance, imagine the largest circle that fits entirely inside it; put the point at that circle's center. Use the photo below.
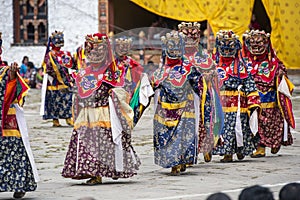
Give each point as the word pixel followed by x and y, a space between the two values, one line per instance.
pixel 50 144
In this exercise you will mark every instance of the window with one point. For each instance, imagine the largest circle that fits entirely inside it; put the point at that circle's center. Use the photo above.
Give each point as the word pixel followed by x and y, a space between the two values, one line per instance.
pixel 30 22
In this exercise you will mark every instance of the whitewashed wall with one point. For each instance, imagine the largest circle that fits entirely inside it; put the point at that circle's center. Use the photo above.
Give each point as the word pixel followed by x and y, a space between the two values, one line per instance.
pixel 75 18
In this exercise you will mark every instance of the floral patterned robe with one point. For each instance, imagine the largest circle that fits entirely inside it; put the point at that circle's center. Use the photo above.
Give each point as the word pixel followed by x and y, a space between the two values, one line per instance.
pixel 96 149
pixel 176 119
pixel 239 98
pixel 58 97
pixel 211 109
pixel 275 107
pixel 16 172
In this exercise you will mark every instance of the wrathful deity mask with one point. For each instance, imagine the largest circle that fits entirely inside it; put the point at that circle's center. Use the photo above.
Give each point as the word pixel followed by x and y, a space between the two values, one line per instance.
pixel 227 43
pixel 57 39
pixel 122 46
pixel 191 32
pixel 173 45
pixel 257 42
pixel 96 48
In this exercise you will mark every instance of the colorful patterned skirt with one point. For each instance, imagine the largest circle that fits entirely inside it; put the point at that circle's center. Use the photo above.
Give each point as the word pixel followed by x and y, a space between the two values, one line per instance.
pixel 230 144
pixel 271 123
pixel 92 152
pixel 58 105
pixel 175 137
pixel 15 170
pixel 270 132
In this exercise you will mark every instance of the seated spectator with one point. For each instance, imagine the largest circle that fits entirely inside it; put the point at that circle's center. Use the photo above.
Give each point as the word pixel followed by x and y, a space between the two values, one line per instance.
pixel 39 78
pixel 218 196
pixel 30 76
pixel 24 66
pixel 290 191
pixel 256 192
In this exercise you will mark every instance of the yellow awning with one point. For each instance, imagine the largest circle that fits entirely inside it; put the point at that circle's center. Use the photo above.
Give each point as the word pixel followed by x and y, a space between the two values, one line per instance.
pixel 285 22
pixel 174 9
pixel 236 15
pixel 221 14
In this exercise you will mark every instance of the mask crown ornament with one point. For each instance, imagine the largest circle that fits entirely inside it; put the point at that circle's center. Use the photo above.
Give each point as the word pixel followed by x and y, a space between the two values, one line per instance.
pixel 227 43
pixel 256 41
pixel 192 32
pixel 123 41
pixel 174 37
pixel 91 41
pixel 57 39
pixel 173 44
pixel 96 39
pixel 226 35
pixel 122 46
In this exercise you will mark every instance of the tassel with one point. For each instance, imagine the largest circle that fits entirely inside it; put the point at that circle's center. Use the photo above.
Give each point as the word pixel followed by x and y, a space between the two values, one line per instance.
pixel 235 68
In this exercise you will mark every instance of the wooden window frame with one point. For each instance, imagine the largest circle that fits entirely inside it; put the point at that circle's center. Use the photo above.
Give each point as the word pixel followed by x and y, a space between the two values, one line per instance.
pixel 22 20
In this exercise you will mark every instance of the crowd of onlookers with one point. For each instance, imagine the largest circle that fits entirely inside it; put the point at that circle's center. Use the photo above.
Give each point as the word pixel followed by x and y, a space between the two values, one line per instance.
pixel 290 191
pixel 31 74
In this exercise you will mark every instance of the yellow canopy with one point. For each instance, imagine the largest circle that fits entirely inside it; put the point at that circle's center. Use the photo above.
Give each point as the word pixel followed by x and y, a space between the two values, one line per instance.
pixel 174 9
pixel 285 36
pixel 220 14
pixel 236 15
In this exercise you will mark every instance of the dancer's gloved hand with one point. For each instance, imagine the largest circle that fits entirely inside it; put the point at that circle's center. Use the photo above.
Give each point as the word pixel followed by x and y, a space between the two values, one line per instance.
pixel 13 70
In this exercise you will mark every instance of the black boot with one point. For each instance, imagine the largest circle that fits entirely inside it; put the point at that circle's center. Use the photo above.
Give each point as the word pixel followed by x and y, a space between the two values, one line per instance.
pixel 19 195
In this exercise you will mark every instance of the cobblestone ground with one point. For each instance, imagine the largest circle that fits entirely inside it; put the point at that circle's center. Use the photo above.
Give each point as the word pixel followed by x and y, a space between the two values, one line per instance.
pixel 50 144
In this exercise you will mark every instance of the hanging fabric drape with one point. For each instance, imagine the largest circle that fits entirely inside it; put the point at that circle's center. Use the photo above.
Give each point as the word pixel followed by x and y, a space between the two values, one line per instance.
pixel 220 14
pixel 236 15
pixel 232 15
pixel 285 22
pixel 183 10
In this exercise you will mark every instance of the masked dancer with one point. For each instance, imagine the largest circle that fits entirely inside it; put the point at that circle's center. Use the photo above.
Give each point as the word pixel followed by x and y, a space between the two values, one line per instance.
pixel 275 91
pixel 239 97
pixel 100 145
pixel 57 84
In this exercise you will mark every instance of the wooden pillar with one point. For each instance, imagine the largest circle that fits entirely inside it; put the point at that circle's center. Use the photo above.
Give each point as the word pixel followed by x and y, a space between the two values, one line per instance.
pixel 111 19
pixel 103 26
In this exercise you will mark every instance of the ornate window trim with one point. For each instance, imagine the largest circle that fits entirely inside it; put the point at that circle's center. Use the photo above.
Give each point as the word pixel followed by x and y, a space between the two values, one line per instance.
pixel 30 22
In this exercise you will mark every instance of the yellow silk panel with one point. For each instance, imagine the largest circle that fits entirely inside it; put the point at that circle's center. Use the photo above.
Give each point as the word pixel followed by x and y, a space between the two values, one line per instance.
pixel 236 15
pixel 232 15
pixel 183 10
pixel 285 22
pixel 221 14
